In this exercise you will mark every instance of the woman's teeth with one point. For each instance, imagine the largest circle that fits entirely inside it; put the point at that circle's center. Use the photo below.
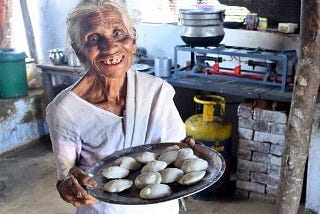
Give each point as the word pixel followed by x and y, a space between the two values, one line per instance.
pixel 113 61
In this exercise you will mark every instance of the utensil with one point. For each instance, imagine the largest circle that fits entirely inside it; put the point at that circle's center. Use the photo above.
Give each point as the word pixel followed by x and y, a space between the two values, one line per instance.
pixel 56 56
pixel 252 21
pixel 202 27
pixel 162 66
pixel 216 167
pixel 263 24
pixel 140 67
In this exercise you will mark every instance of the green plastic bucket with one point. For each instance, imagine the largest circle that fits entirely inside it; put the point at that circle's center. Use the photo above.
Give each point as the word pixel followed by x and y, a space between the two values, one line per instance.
pixel 13 75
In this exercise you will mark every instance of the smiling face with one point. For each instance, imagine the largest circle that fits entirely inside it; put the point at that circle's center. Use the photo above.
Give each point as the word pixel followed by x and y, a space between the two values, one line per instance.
pixel 108 44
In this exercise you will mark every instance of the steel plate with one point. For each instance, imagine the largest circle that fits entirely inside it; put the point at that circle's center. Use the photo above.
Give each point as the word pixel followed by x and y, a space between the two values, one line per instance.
pixel 140 67
pixel 131 196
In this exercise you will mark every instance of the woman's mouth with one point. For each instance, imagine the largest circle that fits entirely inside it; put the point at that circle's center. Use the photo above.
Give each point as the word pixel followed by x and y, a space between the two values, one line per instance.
pixel 114 60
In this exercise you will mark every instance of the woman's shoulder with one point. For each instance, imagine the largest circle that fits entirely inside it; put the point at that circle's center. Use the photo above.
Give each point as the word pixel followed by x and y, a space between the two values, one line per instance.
pixel 63 98
pixel 150 80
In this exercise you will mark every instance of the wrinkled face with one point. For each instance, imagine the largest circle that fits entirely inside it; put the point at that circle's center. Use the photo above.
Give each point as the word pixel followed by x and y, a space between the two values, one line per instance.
pixel 108 45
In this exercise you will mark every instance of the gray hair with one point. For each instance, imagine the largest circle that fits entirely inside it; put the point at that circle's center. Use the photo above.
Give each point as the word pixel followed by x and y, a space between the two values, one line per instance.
pixel 76 21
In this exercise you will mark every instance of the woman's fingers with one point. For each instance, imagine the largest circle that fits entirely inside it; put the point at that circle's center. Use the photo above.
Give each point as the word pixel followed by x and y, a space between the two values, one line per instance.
pixel 71 191
pixel 84 202
pixel 189 140
pixel 82 177
pixel 86 180
pixel 78 191
pixel 81 197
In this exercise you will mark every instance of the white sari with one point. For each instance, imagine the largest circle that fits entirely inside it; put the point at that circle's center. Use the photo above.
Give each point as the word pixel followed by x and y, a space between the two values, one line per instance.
pixel 82 133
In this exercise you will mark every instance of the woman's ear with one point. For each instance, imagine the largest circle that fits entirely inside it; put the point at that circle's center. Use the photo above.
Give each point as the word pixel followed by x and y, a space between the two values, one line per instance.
pixel 134 35
pixel 79 54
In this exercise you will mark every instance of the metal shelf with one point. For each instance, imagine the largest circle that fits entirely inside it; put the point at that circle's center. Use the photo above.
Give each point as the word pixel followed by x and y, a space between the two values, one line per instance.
pixel 268 75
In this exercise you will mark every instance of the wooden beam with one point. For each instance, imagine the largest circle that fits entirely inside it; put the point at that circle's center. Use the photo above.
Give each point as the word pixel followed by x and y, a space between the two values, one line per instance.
pixel 302 109
pixel 29 30
pixel 3 24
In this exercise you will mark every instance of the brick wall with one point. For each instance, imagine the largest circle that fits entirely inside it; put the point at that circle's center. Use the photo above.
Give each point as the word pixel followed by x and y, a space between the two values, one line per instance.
pixel 275 10
pixel 261 142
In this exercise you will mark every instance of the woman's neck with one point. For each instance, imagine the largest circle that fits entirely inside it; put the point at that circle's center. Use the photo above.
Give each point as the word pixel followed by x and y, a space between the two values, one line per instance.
pixel 104 92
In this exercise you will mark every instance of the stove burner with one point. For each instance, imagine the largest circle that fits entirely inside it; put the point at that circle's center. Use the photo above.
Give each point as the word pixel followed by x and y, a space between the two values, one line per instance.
pixel 257 65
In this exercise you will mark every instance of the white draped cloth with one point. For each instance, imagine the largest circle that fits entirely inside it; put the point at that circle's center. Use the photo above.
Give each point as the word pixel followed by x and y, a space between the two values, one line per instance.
pixel 82 133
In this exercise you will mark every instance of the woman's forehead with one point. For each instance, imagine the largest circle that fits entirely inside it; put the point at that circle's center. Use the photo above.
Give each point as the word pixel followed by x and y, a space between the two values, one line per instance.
pixel 107 17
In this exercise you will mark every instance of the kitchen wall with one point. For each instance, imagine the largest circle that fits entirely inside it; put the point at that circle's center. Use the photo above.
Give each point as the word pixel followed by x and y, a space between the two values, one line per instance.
pixel 48 19
pixel 160 40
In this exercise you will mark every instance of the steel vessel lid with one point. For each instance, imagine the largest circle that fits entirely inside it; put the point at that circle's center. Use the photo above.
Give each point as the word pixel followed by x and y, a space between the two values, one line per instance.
pixel 11 55
pixel 195 11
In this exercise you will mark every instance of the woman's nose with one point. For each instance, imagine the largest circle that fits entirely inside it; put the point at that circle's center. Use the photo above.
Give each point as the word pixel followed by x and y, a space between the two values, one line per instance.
pixel 106 44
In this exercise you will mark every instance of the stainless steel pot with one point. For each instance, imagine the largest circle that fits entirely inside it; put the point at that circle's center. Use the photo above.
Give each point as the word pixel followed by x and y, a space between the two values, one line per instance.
pixel 56 56
pixel 162 66
pixel 202 27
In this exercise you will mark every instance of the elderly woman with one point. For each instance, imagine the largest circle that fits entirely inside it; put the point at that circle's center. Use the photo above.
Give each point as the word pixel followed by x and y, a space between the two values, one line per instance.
pixel 112 107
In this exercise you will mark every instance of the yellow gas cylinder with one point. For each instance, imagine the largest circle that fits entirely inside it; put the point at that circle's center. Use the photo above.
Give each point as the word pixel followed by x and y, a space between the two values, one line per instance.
pixel 210 127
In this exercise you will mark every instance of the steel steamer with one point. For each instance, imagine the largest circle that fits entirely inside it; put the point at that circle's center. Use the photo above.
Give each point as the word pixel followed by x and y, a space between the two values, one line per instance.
pixel 202 27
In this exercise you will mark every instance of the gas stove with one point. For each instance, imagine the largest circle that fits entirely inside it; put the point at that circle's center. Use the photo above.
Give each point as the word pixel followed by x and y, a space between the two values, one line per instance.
pixel 254 65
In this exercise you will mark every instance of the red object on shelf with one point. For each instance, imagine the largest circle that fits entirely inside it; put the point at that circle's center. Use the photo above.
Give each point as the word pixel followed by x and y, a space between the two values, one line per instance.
pixel 237 70
pixel 216 67
pixel 237 73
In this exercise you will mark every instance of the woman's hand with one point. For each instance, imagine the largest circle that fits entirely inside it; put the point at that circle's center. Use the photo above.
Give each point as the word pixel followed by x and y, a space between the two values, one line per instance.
pixel 190 141
pixel 71 188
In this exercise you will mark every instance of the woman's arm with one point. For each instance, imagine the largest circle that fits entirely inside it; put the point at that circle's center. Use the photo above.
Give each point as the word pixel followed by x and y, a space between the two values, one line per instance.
pixel 66 145
pixel 65 139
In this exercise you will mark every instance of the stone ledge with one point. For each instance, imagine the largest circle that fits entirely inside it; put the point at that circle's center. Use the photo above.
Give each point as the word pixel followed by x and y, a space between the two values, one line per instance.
pixel 22 120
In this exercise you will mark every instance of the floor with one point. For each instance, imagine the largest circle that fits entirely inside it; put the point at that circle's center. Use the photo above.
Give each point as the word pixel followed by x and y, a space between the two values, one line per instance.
pixel 27 186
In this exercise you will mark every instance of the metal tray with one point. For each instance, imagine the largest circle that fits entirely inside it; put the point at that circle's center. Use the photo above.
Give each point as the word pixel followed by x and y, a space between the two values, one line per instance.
pixel 131 196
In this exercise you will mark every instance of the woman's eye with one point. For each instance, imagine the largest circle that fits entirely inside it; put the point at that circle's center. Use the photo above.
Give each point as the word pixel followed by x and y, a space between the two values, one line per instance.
pixel 93 39
pixel 119 34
